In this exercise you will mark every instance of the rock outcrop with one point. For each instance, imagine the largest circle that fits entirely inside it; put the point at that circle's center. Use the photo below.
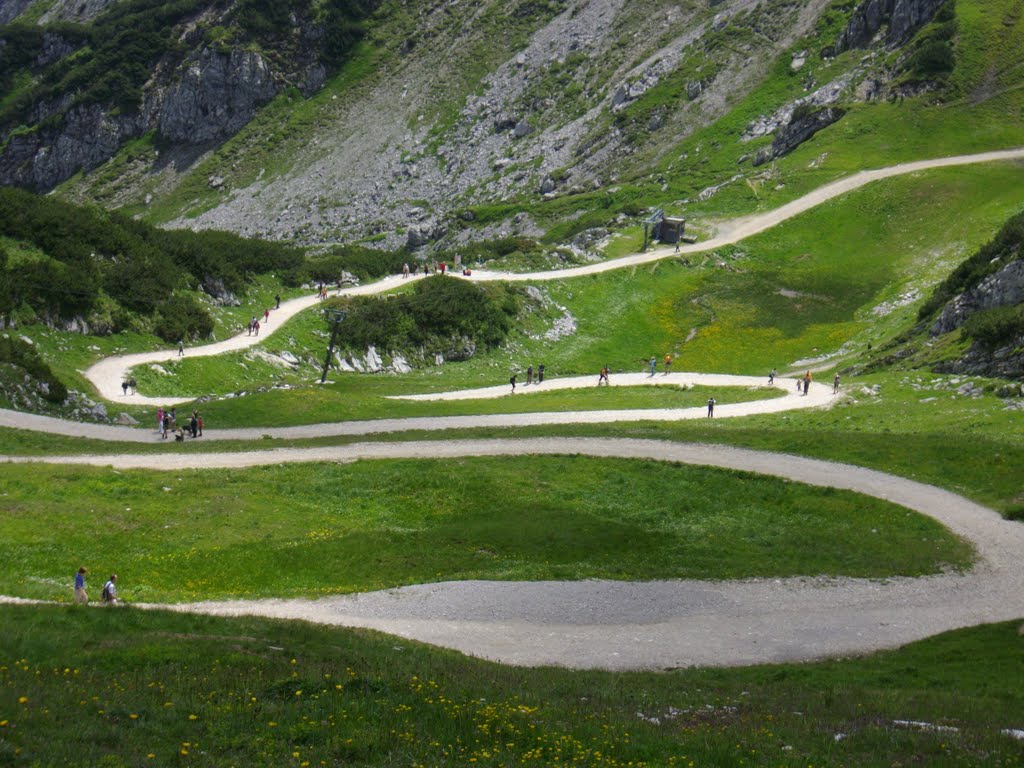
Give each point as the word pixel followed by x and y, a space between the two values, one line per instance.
pixel 800 129
pixel 216 95
pixel 904 18
pixel 1002 289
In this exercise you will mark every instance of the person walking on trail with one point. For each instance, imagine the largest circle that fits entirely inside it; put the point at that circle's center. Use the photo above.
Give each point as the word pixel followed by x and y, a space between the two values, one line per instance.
pixel 771 377
pixel 124 388
pixel 109 594
pixel 711 407
pixel 540 373
pixel 405 271
pixel 181 347
pixel 835 384
pixel 200 418
pixel 654 365
pixel 160 421
pixel 277 299
pixel 807 381
pixel 603 376
pixel 256 328
pixel 668 364
pixel 132 384
pixel 512 381
pixel 266 315
pixel 529 375
pixel 80 594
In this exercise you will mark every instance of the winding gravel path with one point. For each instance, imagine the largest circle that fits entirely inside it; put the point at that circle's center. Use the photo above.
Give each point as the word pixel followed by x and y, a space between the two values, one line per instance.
pixel 108 374
pixel 662 624
pixel 620 625
pixel 781 398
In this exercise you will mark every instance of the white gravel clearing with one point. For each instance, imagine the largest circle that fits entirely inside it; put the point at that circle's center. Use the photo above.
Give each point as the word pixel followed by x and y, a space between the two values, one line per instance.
pixel 662 624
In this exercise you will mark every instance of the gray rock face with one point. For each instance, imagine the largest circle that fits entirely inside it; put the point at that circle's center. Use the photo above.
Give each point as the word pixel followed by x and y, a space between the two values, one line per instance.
pixel 798 131
pixel 75 10
pixel 1002 289
pixel 11 9
pixel 216 95
pixel 216 289
pixel 87 138
pixel 905 17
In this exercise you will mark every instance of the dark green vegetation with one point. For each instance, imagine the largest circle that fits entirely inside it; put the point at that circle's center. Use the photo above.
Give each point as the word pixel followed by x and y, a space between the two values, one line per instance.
pixel 62 261
pixel 23 357
pixel 124 687
pixel 307 530
pixel 439 313
pixel 115 55
pixel 1007 246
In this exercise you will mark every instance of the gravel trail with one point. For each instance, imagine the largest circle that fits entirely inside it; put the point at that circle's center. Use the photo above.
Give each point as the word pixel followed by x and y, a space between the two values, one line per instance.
pixel 108 374
pixel 661 624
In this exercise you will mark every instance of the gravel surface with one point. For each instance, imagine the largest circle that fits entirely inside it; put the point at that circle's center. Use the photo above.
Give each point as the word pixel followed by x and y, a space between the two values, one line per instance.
pixel 662 624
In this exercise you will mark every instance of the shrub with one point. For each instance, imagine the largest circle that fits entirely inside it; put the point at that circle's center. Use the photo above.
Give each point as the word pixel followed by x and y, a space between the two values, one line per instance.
pixel 995 327
pixel 933 59
pixel 439 308
pixel 182 317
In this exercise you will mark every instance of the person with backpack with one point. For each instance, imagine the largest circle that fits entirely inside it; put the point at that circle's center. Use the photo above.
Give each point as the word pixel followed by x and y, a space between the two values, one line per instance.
pixel 109 593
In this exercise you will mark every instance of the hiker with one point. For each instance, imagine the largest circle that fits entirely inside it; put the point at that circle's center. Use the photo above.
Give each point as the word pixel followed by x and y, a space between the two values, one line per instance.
pixel 160 421
pixel 277 298
pixel 124 388
pixel 252 324
pixel 109 593
pixel 443 267
pixel 132 384
pixel 193 424
pixel 529 375
pixel 512 381
pixel 165 425
pixel 771 377
pixel 540 373
pixel 807 381
pixel 255 327
pixel 200 418
pixel 266 315
pixel 80 594
pixel 603 376
pixel 654 365
pixel 711 407
pixel 181 347
pixel 835 384
pixel 405 271
pixel 668 364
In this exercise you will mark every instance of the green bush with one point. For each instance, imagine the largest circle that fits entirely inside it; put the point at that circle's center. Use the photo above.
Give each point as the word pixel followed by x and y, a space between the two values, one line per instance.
pixel 136 264
pixel 182 318
pixel 438 309
pixel 365 263
pixel 996 327
pixel 931 60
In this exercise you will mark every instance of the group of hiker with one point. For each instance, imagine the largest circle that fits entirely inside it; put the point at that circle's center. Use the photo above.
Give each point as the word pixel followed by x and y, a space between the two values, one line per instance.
pixel 529 376
pixel 108 595
pixel 167 424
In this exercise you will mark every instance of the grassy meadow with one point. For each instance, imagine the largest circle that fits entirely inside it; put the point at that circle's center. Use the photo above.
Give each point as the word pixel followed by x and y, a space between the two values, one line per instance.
pixel 312 529
pixel 129 688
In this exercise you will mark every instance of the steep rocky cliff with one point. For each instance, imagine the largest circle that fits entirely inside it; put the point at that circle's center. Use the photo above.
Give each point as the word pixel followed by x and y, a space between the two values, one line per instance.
pixel 193 73
pixel 903 17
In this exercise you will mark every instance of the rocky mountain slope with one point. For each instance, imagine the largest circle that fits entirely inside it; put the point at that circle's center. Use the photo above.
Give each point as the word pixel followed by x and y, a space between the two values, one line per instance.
pixel 239 123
